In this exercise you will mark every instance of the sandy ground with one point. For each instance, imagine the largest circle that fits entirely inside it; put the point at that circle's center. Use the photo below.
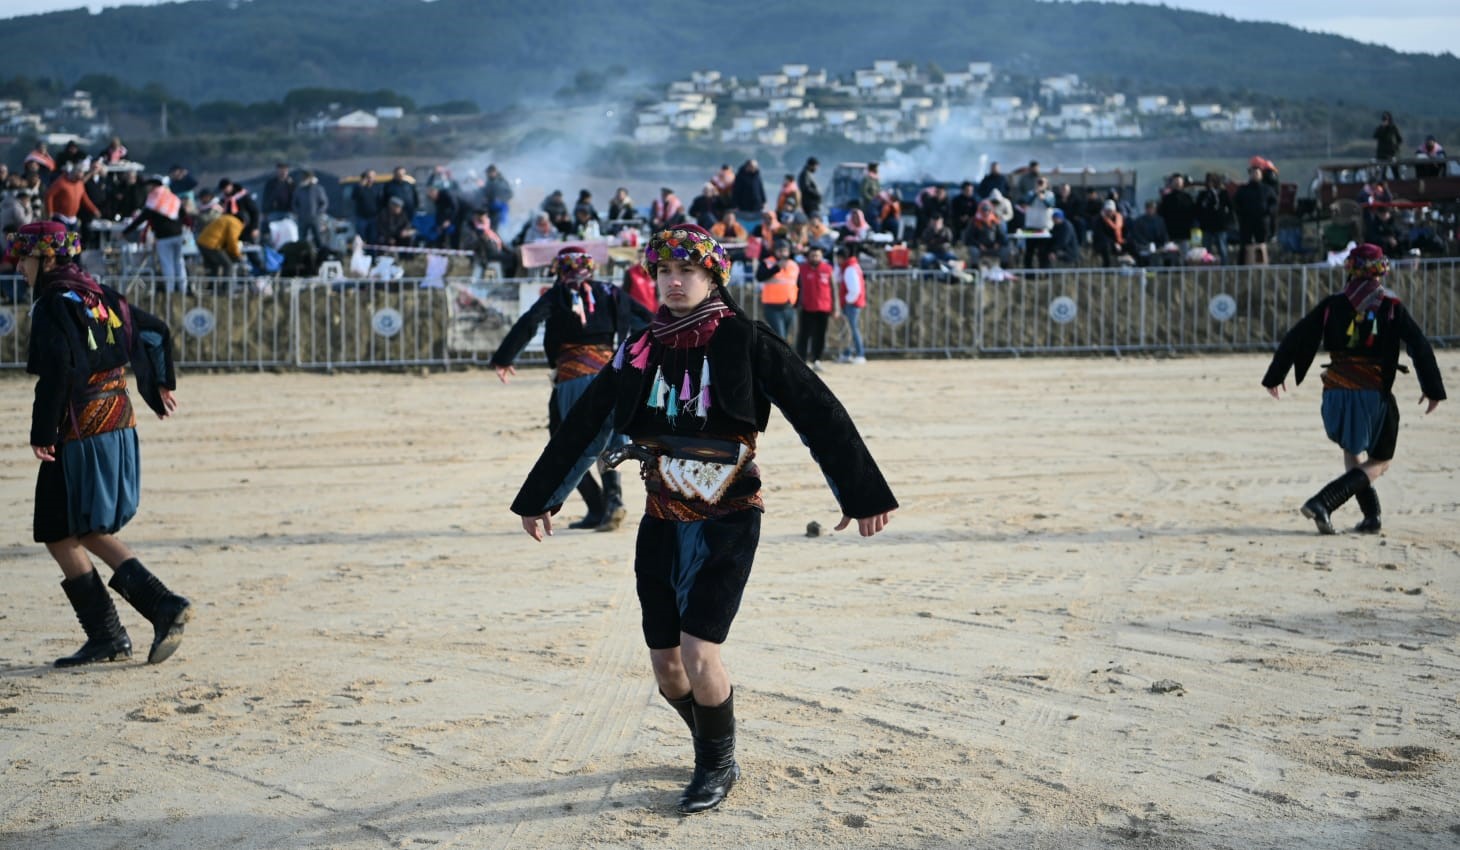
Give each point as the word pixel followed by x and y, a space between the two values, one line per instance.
pixel 382 659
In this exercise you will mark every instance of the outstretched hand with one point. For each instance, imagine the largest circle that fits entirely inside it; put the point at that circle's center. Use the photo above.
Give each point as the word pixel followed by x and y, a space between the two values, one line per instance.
pixel 169 403
pixel 1277 391
pixel 1434 403
pixel 867 526
pixel 504 373
pixel 529 525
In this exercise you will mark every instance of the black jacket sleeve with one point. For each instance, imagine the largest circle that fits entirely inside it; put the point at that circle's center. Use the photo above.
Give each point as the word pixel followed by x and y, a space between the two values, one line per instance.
pixel 1297 348
pixel 573 437
pixel 151 358
pixel 825 427
pixel 1422 355
pixel 522 332
pixel 49 359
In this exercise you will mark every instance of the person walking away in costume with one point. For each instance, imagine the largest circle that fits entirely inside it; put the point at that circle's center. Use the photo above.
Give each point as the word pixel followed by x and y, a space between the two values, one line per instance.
pixel 692 392
pixel 1361 328
pixel 585 319
pixel 83 433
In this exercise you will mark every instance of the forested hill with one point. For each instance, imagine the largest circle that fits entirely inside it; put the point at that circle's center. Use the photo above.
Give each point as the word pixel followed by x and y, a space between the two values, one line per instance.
pixel 496 52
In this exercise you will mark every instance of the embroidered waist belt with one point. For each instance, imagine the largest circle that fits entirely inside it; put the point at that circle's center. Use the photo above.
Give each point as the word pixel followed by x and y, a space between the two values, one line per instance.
pixel 691 478
pixel 1348 372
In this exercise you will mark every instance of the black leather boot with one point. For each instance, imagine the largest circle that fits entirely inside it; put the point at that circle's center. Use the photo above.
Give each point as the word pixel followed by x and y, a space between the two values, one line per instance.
pixel 1368 499
pixel 106 640
pixel 715 767
pixel 165 610
pixel 1334 494
pixel 593 497
pixel 685 705
pixel 613 502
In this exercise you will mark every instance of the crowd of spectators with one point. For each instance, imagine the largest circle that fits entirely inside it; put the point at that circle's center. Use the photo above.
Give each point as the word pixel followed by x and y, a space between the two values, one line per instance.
pixel 1024 218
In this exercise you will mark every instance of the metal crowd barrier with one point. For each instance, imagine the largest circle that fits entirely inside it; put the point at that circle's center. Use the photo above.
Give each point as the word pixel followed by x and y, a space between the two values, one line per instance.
pixel 271 323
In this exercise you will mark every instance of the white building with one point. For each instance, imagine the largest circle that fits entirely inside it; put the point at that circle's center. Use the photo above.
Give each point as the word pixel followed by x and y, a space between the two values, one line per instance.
pixel 77 105
pixel 390 113
pixel 1152 104
pixel 1063 85
pixel 1005 104
pixel 357 121
pixel 1204 110
pixel 772 136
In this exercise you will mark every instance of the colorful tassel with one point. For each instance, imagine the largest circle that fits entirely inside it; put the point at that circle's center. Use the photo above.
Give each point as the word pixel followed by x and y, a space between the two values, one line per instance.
pixel 661 393
pixel 687 392
pixel 654 388
pixel 90 340
pixel 618 358
pixel 705 388
pixel 639 353
pixel 671 406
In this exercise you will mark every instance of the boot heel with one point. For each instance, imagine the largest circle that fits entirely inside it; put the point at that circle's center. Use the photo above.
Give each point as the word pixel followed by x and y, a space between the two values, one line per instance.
pixel 168 641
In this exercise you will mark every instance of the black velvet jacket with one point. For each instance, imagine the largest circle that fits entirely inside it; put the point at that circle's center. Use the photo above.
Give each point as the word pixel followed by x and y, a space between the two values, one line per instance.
pixel 1326 327
pixel 63 361
pixel 750 369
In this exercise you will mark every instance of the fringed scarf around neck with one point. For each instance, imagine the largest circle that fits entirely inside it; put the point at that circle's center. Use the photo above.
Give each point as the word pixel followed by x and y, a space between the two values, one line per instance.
pixel 77 285
pixel 1365 293
pixel 677 393
pixel 692 330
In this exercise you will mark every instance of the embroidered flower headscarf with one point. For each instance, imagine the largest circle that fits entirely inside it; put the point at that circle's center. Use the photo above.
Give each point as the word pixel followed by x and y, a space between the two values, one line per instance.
pixel 43 239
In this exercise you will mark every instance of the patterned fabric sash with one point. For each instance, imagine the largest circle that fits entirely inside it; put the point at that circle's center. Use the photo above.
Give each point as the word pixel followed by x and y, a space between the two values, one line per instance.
pixel 102 407
pixel 692 330
pixel 577 360
pixel 1353 372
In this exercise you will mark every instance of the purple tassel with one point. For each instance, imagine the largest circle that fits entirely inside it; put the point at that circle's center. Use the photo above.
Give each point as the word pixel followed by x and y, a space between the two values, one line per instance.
pixel 618 358
pixel 687 392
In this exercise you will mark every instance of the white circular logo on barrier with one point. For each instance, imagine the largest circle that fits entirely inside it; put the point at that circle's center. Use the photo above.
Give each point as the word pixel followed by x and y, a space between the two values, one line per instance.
pixel 1063 309
pixel 7 323
pixel 387 321
pixel 199 321
pixel 1222 307
pixel 894 311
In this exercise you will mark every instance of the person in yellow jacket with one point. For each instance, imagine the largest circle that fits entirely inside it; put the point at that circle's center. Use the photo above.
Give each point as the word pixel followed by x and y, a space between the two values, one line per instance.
pixel 219 245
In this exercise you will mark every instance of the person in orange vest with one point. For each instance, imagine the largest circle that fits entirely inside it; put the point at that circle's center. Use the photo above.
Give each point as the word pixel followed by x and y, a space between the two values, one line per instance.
pixel 777 276
pixel 817 299
pixel 852 296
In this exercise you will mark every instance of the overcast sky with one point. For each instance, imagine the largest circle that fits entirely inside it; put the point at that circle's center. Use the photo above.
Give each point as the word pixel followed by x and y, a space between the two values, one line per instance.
pixel 1416 26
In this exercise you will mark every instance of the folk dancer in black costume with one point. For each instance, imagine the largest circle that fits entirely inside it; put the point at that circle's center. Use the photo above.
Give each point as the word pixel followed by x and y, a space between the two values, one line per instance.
pixel 691 393
pixel 585 319
pixel 1361 328
pixel 83 431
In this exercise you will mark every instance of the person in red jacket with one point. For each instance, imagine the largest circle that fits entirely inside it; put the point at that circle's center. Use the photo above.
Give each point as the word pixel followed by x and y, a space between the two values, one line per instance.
pixel 851 298
pixel 818 303
pixel 639 285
